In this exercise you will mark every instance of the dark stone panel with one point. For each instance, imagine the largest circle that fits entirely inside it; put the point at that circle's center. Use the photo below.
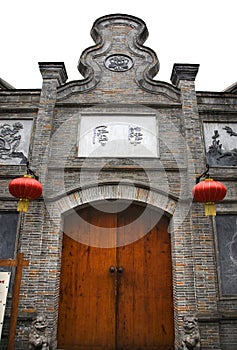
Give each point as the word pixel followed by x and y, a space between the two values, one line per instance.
pixel 8 230
pixel 227 245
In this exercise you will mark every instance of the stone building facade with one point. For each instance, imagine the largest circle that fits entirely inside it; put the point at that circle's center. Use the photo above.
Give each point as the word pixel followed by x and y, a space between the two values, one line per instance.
pixel 119 136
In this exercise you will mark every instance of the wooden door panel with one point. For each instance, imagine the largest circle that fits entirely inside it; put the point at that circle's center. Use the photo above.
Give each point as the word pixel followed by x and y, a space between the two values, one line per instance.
pixel 87 294
pixel 103 311
pixel 145 314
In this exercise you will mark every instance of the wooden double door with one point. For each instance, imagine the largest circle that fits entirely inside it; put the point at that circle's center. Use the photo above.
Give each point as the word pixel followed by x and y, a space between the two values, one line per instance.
pixel 116 292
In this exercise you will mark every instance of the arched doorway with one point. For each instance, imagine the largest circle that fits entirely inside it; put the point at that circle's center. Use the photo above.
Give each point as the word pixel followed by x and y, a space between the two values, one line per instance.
pixel 116 279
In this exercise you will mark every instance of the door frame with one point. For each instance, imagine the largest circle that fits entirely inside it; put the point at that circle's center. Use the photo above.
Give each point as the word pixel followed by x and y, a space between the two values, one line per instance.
pixel 77 198
pixel 145 224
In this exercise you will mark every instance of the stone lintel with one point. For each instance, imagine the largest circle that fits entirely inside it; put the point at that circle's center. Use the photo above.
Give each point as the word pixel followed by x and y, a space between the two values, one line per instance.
pixel 183 71
pixel 53 70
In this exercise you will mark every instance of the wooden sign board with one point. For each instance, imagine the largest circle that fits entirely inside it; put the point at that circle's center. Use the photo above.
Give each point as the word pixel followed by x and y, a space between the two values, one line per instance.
pixel 4 285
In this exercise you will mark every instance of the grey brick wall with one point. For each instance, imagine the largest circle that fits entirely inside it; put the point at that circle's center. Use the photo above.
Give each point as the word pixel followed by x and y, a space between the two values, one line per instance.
pixel 165 183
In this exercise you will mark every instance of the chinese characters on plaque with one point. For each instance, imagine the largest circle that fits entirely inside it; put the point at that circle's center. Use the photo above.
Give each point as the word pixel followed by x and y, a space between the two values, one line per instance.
pixel 118 136
pixel 99 135
pixel 134 134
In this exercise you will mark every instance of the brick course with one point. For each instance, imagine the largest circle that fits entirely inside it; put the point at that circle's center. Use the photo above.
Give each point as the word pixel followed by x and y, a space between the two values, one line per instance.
pixel 164 183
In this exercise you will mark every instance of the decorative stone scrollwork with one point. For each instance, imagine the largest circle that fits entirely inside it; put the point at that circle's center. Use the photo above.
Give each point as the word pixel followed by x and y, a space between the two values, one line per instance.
pixel 118 63
pixel 39 338
pixel 190 334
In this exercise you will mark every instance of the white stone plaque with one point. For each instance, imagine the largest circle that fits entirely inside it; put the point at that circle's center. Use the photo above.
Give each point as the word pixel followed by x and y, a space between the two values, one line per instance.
pixel 4 285
pixel 118 135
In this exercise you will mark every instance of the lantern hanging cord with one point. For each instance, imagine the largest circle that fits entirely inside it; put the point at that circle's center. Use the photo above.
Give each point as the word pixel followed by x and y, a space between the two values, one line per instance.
pixel 205 174
pixel 31 172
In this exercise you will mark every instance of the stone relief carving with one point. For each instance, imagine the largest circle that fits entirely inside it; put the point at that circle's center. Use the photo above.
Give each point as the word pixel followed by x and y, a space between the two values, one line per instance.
pixel 226 226
pixel 118 63
pixel 217 155
pixel 190 334
pixel 232 246
pixel 14 141
pixel 39 338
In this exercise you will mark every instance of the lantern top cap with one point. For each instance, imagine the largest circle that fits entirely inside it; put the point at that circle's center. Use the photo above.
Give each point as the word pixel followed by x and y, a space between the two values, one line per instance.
pixel 29 176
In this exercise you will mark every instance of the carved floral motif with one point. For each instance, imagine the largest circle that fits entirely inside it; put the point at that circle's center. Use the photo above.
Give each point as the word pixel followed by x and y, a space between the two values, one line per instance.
pixel 118 63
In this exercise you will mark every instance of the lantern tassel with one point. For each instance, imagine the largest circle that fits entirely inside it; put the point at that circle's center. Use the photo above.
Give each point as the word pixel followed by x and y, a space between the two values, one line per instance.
pixel 210 209
pixel 23 204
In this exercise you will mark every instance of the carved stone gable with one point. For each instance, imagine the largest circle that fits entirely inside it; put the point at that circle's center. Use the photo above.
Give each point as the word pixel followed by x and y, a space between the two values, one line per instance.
pixel 118 64
pixel 118 49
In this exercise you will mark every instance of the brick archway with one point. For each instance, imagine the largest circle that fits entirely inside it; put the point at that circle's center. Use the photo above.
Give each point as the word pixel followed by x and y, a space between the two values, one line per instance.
pixel 133 192
pixel 61 205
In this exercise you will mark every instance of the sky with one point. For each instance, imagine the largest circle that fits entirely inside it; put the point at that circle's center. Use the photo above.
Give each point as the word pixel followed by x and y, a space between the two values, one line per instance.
pixel 180 31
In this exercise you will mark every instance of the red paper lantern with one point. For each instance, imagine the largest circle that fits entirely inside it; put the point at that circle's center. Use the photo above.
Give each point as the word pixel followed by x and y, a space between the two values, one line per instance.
pixel 209 192
pixel 25 188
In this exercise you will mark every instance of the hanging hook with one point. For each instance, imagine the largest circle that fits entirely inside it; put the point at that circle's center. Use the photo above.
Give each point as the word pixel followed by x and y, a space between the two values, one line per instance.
pixel 31 172
pixel 205 174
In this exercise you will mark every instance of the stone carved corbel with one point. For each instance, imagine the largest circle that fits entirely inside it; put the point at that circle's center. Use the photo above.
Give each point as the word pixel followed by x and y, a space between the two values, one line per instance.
pixel 190 335
pixel 39 338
